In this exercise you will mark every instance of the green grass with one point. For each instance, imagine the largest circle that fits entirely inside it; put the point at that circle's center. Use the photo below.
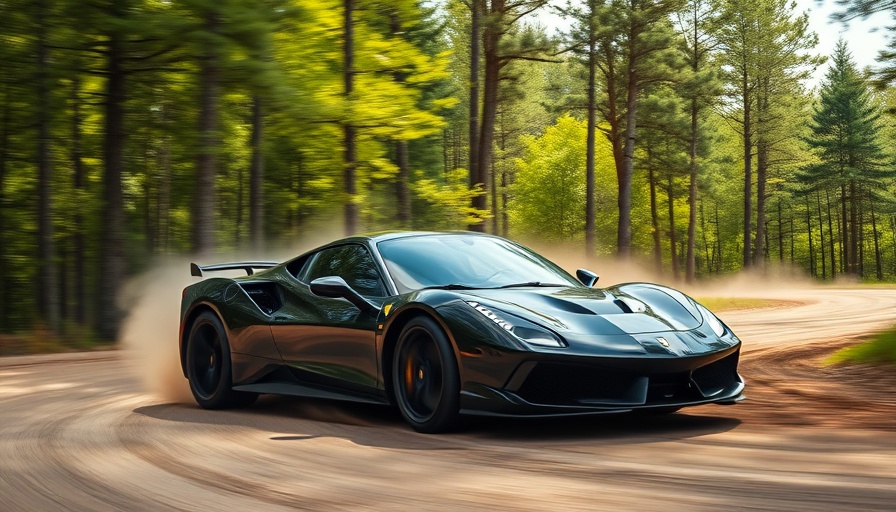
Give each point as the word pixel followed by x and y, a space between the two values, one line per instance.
pixel 879 349
pixel 717 304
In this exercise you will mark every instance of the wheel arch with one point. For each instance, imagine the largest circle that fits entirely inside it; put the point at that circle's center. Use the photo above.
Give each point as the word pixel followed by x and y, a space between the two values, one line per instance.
pixel 390 339
pixel 194 312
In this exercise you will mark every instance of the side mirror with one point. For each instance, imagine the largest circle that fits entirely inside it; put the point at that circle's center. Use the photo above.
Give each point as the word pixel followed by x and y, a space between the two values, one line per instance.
pixel 336 287
pixel 587 277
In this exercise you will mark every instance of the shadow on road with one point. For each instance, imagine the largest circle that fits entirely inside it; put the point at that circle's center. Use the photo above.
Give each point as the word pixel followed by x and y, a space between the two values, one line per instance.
pixel 291 419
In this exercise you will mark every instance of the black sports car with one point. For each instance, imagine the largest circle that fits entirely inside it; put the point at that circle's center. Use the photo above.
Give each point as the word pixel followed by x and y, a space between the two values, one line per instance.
pixel 442 324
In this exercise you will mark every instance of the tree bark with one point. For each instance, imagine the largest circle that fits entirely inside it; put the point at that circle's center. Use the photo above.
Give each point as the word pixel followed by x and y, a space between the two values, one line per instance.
pixel 812 268
pixel 673 238
pixel 748 173
pixel 831 235
pixel 4 149
pixel 476 12
pixel 350 159
pixel 821 246
pixel 654 221
pixel 48 296
pixel 77 151
pixel 112 255
pixel 590 227
pixel 207 162
pixel 256 177
pixel 690 267
pixel 491 38
pixel 624 174
pixel 878 267
pixel 854 260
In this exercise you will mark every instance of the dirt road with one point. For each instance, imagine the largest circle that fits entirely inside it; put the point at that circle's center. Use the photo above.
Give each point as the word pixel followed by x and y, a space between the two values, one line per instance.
pixel 77 432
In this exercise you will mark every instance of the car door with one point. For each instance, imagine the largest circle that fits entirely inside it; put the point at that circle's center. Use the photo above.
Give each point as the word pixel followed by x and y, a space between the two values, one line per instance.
pixel 328 340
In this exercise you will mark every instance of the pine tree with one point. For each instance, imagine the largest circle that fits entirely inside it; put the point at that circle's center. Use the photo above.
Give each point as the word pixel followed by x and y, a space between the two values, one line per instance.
pixel 845 134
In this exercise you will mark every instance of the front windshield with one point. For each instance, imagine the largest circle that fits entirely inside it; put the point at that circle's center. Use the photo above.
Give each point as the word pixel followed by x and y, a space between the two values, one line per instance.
pixel 467 261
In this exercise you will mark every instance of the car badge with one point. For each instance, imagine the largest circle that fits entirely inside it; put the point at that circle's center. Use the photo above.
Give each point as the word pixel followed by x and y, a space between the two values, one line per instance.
pixel 386 309
pixel 662 341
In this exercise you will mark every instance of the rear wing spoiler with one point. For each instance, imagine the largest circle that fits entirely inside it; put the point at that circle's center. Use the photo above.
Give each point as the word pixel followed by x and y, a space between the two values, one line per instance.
pixel 248 266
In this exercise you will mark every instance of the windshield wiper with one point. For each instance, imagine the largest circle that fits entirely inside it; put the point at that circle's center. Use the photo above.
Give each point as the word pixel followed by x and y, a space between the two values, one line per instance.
pixel 531 283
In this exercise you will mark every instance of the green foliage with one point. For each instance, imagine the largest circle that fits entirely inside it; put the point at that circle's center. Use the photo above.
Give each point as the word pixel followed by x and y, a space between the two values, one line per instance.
pixel 879 349
pixel 549 194
pixel 445 203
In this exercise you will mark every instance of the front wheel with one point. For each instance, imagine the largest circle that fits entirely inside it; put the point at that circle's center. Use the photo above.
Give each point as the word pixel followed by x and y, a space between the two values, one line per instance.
pixel 425 377
pixel 208 366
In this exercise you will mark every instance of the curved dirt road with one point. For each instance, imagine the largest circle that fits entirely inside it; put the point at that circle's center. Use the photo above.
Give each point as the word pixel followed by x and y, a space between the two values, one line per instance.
pixel 77 432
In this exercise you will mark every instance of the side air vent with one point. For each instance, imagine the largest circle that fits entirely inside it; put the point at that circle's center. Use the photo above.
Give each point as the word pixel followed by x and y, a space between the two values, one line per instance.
pixel 264 295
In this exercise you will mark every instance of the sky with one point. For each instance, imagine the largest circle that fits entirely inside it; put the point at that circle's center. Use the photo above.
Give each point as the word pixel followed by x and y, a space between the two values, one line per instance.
pixel 864 37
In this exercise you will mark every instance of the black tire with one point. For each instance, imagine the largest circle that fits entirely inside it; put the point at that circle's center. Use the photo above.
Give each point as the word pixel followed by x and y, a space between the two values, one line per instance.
pixel 209 368
pixel 425 377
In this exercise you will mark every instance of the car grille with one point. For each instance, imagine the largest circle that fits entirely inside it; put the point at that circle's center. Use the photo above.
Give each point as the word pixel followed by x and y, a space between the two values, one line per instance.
pixel 574 384
pixel 716 377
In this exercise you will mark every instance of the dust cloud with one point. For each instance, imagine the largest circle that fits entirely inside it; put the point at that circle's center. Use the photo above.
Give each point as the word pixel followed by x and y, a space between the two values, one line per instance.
pixel 772 278
pixel 149 334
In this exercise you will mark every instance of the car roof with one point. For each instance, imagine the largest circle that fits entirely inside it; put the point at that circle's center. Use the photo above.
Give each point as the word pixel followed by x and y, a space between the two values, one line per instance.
pixel 382 236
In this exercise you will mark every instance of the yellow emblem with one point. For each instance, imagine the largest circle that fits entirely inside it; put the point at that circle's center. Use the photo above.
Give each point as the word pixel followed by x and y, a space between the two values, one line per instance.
pixel 386 309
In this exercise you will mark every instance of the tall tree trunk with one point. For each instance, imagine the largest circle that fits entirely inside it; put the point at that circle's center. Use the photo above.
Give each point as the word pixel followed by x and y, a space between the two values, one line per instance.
pixel 854 259
pixel 780 234
pixel 505 220
pixel 77 152
pixel 112 254
pixel 690 267
pixel 624 174
pixel 761 223
pixel 824 268
pixel 403 180
pixel 846 264
pixel 718 240
pixel 878 266
pixel 256 177
pixel 708 262
pixel 164 199
pixel 350 159
pixel 827 198
pixel 48 296
pixel 654 219
pixel 812 268
pixel 206 165
pixel 673 237
pixel 476 13
pixel 590 227
pixel 493 178
pixel 748 173
pixel 491 39
pixel 4 149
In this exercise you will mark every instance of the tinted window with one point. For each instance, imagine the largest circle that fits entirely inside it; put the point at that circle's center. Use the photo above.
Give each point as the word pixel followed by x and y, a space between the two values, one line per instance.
pixel 350 262
pixel 470 260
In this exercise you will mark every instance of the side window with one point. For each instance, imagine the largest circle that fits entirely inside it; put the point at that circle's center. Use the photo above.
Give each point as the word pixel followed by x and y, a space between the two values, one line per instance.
pixel 350 262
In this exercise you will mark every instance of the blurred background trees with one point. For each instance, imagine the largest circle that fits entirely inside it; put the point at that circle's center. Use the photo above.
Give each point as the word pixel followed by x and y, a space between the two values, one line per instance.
pixel 684 132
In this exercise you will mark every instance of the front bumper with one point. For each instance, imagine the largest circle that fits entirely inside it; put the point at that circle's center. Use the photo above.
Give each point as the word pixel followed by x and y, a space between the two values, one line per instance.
pixel 555 387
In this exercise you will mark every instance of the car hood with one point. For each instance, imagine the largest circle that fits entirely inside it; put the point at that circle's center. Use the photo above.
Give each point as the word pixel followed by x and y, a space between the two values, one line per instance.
pixel 634 308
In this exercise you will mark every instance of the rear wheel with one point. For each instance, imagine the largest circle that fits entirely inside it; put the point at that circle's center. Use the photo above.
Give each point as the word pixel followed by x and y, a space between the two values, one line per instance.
pixel 425 377
pixel 209 368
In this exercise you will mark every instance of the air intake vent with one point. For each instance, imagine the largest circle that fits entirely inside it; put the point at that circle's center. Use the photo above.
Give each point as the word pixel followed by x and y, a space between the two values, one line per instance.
pixel 264 295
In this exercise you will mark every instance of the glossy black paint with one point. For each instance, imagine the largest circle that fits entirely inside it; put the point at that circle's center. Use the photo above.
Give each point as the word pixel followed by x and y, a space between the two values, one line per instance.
pixel 297 329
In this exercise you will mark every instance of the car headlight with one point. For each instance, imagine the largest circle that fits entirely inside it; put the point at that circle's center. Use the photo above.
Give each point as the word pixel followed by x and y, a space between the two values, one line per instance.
pixel 528 333
pixel 713 322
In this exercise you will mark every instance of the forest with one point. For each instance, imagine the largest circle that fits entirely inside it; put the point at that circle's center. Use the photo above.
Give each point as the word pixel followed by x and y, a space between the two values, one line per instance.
pixel 685 133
